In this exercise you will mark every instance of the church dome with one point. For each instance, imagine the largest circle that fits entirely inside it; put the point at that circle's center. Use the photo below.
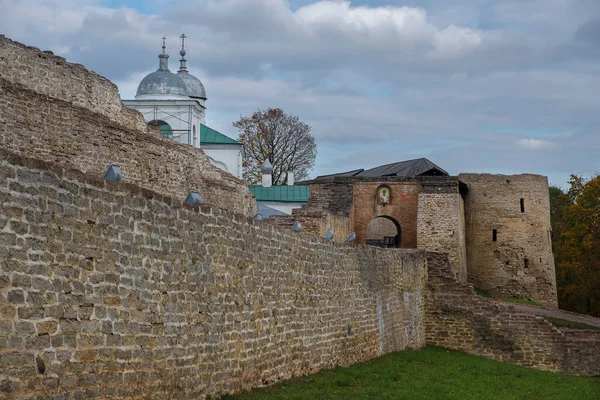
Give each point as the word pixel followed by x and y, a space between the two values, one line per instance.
pixel 162 82
pixel 194 87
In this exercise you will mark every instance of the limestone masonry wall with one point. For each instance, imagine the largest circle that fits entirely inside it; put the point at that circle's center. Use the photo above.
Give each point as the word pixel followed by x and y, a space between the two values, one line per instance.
pixel 52 76
pixel 519 263
pixel 109 290
pixel 60 112
pixel 457 318
pixel 441 225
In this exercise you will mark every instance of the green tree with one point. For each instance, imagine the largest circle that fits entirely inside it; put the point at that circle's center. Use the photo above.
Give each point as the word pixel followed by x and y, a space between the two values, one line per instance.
pixel 576 240
pixel 281 138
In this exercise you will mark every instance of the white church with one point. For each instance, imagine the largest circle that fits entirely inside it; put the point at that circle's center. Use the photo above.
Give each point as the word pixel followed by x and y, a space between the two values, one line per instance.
pixel 176 104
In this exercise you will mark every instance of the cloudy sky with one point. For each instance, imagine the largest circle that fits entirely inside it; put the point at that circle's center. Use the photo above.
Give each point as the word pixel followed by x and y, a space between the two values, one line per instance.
pixel 504 86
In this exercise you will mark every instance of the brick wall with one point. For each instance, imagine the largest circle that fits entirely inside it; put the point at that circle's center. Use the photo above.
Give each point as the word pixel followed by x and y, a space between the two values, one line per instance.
pixel 457 318
pixel 109 290
pixel 62 113
pixel 402 208
pixel 520 262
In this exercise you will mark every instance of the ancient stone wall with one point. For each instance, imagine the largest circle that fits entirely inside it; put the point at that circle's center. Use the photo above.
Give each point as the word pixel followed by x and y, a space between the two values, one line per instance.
pixel 509 250
pixel 109 290
pixel 52 76
pixel 457 318
pixel 60 112
pixel 441 225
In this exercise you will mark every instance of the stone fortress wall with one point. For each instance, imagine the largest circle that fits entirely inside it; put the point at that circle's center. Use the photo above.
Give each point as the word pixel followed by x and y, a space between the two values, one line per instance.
pixel 516 261
pixel 107 289
pixel 62 113
pixel 441 223
pixel 457 318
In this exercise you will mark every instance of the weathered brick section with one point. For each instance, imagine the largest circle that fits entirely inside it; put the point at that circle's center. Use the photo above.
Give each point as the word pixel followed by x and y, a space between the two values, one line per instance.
pixel 109 290
pixel 402 208
pixel 65 114
pixel 520 262
pixel 457 318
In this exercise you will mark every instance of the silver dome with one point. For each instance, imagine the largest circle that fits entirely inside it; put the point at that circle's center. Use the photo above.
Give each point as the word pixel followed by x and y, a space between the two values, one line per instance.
pixel 162 82
pixel 194 86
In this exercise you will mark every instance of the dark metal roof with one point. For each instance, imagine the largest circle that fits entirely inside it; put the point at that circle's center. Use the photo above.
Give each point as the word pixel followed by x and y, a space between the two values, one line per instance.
pixel 409 168
pixel 347 173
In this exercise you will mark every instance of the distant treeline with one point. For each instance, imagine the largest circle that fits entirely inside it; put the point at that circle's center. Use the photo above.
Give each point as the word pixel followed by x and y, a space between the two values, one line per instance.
pixel 575 217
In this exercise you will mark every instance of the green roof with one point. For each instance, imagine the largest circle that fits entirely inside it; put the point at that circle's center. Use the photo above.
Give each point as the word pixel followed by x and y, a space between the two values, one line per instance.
pixel 210 136
pixel 284 193
pixel 166 130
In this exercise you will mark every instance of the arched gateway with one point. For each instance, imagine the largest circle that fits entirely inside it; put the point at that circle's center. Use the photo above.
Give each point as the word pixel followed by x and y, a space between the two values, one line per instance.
pixel 384 231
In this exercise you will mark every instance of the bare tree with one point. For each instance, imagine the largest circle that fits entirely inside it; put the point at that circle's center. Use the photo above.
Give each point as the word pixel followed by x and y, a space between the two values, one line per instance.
pixel 283 139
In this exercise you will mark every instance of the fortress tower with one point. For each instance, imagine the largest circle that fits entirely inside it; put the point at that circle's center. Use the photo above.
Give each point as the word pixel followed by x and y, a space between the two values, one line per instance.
pixel 509 246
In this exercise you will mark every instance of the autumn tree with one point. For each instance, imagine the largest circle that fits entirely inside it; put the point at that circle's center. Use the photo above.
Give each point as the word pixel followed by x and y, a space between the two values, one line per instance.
pixel 281 138
pixel 576 241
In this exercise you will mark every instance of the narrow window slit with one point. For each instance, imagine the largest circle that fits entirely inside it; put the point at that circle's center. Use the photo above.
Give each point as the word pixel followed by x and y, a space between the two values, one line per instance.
pixel 522 205
pixel 494 235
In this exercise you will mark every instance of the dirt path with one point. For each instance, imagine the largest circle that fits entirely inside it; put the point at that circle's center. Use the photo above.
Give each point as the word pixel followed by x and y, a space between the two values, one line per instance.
pixel 566 315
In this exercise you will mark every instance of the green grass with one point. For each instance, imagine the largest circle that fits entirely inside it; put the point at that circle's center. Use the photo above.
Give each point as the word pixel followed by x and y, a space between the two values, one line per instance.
pixel 563 323
pixel 485 294
pixel 524 301
pixel 431 373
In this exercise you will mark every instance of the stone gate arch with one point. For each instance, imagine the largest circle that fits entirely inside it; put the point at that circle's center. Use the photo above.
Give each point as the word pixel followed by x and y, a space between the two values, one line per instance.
pixel 384 231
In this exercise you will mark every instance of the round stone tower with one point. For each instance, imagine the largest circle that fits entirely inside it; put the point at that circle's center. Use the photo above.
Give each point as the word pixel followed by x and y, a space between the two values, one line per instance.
pixel 508 240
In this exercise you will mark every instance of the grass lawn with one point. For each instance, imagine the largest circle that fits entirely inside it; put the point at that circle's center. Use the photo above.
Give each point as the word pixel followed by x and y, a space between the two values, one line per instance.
pixel 431 373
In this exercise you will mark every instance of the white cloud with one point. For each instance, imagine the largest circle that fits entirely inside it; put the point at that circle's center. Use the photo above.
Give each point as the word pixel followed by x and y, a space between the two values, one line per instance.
pixel 536 144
